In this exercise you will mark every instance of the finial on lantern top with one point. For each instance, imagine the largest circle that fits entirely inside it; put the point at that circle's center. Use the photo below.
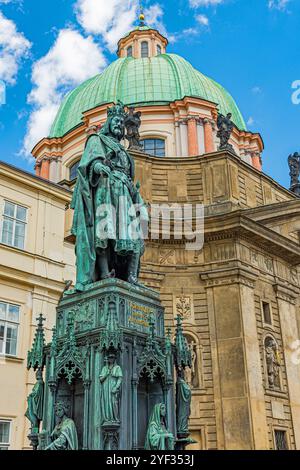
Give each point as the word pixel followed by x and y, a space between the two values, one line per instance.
pixel 142 15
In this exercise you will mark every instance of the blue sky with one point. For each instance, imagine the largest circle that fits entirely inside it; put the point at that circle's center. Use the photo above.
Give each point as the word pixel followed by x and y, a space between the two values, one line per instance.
pixel 251 47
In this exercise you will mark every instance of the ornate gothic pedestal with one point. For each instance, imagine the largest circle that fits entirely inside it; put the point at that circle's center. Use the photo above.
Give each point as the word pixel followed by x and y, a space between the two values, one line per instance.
pixel 109 363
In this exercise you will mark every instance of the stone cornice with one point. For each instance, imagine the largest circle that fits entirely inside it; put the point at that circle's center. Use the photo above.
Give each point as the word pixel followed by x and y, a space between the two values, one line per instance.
pixel 31 255
pixel 275 212
pixel 228 276
pixel 23 278
pixel 237 225
pixel 34 182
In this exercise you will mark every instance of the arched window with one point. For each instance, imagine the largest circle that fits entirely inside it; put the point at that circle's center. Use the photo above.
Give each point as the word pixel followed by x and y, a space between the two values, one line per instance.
pixel 129 51
pixel 73 170
pixel 144 49
pixel 158 49
pixel 156 147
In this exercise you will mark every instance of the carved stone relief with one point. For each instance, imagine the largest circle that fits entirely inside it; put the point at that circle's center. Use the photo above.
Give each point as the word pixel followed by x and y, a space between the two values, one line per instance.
pixel 167 256
pixel 257 259
pixel 219 252
pixel 184 306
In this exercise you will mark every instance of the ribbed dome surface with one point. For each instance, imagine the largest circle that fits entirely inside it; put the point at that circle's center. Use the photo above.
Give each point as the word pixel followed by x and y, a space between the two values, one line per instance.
pixel 156 80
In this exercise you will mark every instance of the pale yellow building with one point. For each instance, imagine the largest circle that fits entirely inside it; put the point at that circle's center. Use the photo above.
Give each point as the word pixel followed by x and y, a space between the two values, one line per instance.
pixel 35 260
pixel 238 296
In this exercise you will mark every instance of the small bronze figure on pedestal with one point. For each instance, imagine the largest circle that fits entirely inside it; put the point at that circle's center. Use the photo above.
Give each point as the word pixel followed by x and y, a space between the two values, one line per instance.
pixel 158 436
pixel 64 435
pixel 34 412
pixel 110 393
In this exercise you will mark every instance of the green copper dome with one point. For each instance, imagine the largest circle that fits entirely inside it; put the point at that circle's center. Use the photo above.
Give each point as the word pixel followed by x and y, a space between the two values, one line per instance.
pixel 156 80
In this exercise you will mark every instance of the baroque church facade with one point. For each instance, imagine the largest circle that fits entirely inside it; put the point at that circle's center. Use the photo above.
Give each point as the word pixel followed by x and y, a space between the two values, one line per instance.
pixel 238 296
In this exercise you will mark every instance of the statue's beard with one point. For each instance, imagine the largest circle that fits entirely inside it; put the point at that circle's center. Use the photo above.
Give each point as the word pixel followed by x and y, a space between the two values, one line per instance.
pixel 117 132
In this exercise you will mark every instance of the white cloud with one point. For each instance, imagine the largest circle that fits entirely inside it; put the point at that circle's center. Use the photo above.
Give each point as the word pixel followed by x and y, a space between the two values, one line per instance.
pixel 110 19
pixel 6 2
pixel 154 15
pixel 71 60
pixel 250 121
pixel 205 3
pixel 113 19
pixel 203 20
pixel 14 47
pixel 74 58
pixel 278 4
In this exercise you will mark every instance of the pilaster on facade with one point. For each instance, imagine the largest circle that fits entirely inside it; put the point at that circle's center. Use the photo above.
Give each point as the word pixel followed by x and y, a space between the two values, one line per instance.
pixel 208 135
pixel 287 296
pixel 238 383
pixel 45 168
pixel 192 136
pixel 256 160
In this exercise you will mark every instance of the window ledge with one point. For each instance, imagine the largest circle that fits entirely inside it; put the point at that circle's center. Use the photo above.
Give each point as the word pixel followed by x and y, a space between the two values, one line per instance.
pixel 275 393
pixel 12 246
pixel 30 254
pixel 15 359
pixel 199 391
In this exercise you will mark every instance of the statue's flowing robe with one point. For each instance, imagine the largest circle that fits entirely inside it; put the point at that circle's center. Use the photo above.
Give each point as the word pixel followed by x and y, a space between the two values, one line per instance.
pixel 158 437
pixel 110 393
pixel 35 401
pixel 103 206
pixel 183 405
pixel 64 436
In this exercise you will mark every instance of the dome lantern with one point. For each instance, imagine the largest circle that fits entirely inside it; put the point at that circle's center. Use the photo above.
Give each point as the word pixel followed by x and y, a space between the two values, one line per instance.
pixel 142 42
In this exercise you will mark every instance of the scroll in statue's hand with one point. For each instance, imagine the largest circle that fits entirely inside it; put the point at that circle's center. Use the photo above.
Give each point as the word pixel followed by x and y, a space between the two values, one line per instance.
pixel 101 169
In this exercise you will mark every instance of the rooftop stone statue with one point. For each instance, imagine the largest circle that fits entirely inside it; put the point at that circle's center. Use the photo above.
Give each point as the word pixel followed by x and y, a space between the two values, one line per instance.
pixel 294 165
pixel 225 128
pixel 133 124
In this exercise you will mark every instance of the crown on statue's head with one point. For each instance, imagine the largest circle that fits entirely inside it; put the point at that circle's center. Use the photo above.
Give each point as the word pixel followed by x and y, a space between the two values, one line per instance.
pixel 62 404
pixel 117 110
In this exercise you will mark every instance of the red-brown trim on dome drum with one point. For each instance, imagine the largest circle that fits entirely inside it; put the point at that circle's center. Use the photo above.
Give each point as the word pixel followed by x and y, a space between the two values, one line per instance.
pixel 153 117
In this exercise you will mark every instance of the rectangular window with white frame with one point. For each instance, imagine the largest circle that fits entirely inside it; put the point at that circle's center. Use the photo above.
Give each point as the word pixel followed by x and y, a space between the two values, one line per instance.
pixel 9 328
pixel 14 221
pixel 5 430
